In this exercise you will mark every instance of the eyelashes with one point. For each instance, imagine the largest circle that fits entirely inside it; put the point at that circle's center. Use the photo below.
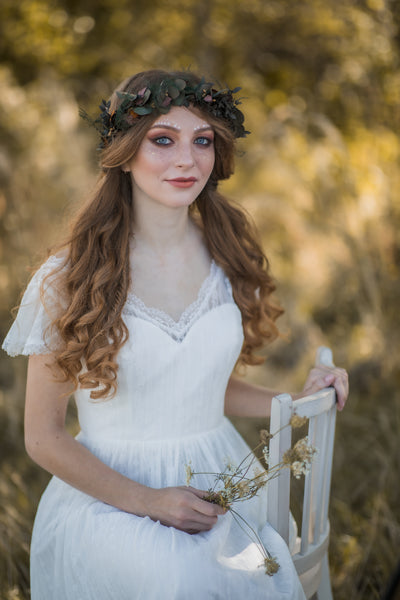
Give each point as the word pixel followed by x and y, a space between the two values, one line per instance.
pixel 163 140
pixel 206 141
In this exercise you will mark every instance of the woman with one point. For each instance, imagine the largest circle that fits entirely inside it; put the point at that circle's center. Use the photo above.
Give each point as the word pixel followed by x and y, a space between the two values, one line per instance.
pixel 160 289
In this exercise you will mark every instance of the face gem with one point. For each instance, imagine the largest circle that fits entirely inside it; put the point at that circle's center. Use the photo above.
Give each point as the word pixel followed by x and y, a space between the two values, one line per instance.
pixel 167 123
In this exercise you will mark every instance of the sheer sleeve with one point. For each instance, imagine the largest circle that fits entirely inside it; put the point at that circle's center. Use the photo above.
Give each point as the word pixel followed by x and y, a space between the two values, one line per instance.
pixel 32 332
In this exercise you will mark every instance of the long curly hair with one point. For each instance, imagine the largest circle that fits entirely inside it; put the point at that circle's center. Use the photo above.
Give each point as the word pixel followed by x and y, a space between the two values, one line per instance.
pixel 95 273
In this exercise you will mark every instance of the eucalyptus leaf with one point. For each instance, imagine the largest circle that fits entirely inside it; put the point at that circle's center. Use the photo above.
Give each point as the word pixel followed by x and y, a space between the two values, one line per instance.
pixel 180 84
pixel 173 92
pixel 142 110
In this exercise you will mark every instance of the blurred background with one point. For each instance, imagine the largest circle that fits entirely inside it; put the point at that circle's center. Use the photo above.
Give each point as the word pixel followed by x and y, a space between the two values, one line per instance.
pixel 320 175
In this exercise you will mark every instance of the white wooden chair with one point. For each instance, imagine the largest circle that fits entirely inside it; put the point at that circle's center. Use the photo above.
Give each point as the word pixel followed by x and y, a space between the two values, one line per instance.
pixel 310 554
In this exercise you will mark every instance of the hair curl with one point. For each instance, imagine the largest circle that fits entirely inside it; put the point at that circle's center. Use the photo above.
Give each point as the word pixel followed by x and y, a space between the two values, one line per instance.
pixel 95 273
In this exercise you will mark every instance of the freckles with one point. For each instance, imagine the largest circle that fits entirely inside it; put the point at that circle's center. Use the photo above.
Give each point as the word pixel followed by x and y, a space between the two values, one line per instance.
pixel 152 153
pixel 205 160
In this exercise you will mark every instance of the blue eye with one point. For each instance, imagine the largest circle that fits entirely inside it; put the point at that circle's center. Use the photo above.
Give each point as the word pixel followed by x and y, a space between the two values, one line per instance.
pixel 162 141
pixel 203 141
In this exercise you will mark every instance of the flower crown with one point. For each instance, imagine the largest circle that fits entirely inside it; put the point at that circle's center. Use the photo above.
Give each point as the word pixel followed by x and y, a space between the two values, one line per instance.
pixel 159 98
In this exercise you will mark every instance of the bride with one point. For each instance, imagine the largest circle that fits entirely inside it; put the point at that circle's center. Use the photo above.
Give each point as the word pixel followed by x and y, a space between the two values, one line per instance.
pixel 159 290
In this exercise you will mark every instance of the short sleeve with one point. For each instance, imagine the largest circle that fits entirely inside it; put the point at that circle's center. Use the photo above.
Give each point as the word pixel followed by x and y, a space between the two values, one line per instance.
pixel 31 332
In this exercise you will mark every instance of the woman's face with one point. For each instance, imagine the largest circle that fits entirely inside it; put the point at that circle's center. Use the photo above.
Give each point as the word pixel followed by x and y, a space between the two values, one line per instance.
pixel 174 160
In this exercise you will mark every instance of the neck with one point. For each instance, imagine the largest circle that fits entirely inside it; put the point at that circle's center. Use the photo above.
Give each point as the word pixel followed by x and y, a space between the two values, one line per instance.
pixel 160 229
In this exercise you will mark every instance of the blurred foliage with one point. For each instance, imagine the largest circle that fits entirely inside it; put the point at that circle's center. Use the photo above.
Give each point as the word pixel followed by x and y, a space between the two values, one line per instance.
pixel 320 174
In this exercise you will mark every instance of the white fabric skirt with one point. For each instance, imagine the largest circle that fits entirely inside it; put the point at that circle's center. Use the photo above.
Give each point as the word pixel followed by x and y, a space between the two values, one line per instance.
pixel 83 549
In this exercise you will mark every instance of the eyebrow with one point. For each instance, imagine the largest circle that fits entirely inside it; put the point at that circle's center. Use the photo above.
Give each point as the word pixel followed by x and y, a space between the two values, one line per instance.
pixel 162 126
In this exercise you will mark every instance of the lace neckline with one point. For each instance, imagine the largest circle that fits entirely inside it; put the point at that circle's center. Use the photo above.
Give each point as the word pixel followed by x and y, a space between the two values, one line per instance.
pixel 136 306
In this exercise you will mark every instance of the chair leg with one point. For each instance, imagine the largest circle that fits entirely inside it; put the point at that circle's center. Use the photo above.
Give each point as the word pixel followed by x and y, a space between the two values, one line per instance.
pixel 324 591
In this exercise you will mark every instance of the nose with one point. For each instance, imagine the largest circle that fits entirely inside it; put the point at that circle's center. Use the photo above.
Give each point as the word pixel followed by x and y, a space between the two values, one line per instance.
pixel 184 156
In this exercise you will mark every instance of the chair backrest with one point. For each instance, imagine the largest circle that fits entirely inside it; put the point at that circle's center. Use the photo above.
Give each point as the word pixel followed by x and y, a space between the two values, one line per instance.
pixel 320 409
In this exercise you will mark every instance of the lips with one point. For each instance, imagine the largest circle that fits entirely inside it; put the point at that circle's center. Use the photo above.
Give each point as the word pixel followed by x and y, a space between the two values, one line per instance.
pixel 183 182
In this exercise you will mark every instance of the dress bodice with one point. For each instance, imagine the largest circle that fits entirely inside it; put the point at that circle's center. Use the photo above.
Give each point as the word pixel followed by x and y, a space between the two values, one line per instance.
pixel 172 375
pixel 175 391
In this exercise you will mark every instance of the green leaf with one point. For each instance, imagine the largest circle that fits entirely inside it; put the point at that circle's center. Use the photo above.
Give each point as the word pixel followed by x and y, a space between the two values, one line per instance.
pixel 142 110
pixel 179 101
pixel 180 84
pixel 173 92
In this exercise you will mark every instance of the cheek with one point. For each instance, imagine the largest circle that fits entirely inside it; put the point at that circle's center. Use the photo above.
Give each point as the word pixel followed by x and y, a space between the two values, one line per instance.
pixel 211 163
pixel 151 160
pixel 206 162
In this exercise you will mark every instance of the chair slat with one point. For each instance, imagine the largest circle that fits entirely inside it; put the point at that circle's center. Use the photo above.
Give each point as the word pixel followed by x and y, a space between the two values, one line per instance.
pixel 278 489
pixel 307 499
pixel 305 524
pixel 314 404
pixel 320 409
pixel 321 460
pixel 328 473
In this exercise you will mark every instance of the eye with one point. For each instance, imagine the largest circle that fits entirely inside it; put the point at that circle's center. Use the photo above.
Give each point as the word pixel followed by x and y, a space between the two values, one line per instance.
pixel 162 140
pixel 203 141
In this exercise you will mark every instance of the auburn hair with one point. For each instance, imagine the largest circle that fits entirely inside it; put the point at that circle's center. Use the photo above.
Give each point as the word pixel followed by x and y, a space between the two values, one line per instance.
pixel 95 275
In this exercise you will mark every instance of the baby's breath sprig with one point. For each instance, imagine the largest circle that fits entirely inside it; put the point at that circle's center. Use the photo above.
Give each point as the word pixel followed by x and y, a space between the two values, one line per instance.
pixel 296 421
pixel 299 457
pixel 237 484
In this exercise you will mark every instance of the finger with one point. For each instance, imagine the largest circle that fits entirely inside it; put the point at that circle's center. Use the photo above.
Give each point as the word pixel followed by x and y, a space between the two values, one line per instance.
pixel 318 383
pixel 336 371
pixel 323 369
pixel 197 528
pixel 204 521
pixel 323 376
pixel 342 390
pixel 205 507
pixel 199 522
pixel 329 379
pixel 341 385
pixel 329 374
pixel 208 508
pixel 196 491
pixel 319 377
pixel 190 518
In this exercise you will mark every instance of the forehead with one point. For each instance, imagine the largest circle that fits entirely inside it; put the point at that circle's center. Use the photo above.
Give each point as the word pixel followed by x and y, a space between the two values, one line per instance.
pixel 181 117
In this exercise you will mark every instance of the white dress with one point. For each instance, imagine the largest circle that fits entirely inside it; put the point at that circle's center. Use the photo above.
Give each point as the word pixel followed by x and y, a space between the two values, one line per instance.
pixel 168 412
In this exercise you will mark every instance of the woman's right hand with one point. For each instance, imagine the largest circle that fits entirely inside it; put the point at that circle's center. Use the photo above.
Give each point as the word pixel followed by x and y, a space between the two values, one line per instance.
pixel 184 508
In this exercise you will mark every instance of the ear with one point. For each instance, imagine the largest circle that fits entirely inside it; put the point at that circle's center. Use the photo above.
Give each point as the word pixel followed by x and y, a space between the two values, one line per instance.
pixel 125 168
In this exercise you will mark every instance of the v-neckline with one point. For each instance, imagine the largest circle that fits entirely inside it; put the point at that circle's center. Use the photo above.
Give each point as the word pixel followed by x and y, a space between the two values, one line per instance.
pixel 161 315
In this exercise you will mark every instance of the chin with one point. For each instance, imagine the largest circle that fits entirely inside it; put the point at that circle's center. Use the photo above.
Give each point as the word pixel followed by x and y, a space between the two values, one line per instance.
pixel 181 200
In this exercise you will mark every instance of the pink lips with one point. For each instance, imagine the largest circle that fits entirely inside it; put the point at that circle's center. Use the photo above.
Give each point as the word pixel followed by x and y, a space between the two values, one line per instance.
pixel 182 182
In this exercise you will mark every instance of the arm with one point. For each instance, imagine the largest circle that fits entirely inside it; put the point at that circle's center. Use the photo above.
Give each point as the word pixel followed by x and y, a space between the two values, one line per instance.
pixel 50 445
pixel 245 399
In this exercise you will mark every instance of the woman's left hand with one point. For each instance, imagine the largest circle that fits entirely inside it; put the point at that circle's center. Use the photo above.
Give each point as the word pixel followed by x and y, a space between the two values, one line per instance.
pixel 321 377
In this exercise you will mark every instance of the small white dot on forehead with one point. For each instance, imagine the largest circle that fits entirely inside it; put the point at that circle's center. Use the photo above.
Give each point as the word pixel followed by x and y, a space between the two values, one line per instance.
pixel 168 123
pixel 202 126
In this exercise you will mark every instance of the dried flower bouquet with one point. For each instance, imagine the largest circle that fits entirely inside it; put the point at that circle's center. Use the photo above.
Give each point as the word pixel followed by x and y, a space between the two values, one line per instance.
pixel 242 482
